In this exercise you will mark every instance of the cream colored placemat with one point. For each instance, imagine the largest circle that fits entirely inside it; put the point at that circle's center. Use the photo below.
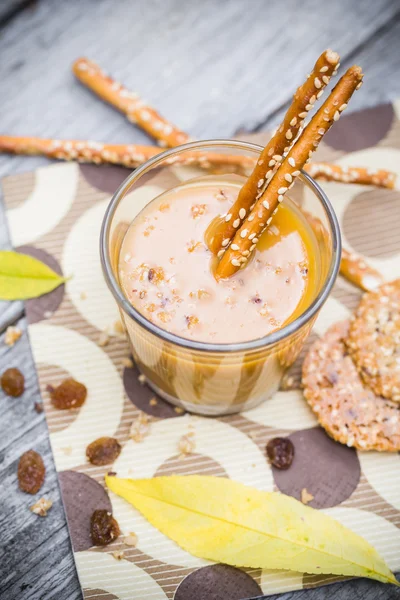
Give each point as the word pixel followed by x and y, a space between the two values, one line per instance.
pixel 55 214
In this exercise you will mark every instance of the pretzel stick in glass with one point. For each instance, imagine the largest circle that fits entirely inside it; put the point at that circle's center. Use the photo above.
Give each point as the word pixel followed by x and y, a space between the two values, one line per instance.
pixel 271 157
pixel 354 268
pixel 361 175
pixel 136 110
pixel 246 236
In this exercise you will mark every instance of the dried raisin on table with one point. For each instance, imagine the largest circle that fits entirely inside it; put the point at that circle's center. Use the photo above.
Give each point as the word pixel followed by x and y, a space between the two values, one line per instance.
pixel 280 452
pixel 103 451
pixel 31 472
pixel 13 382
pixel 69 394
pixel 104 529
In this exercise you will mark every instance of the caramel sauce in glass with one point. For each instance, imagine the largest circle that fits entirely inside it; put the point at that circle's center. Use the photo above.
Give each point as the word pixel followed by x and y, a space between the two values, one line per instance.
pixel 166 268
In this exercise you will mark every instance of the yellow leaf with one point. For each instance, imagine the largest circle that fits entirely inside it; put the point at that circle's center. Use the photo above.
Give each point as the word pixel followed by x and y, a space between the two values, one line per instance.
pixel 225 521
pixel 23 277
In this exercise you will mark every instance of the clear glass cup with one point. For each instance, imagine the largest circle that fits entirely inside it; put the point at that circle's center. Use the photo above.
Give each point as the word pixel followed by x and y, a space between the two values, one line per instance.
pixel 208 378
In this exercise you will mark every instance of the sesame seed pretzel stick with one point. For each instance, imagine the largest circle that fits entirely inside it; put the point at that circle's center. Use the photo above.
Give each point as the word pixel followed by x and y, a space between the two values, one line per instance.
pixel 246 237
pixel 360 175
pixel 136 110
pixel 127 155
pixel 271 157
pixel 354 268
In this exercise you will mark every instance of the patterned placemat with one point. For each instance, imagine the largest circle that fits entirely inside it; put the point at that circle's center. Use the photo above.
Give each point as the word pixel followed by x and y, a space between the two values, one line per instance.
pixel 55 214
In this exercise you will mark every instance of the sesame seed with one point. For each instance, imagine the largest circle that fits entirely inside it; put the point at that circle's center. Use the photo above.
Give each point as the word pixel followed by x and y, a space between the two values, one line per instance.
pixel 313 99
pixel 228 217
pixel 320 93
pixel 336 116
pixel 265 204
pixel 288 177
pixel 309 107
pixel 288 135
pixel 325 79
pixel 242 213
pixel 270 152
pixel 282 190
pixel 341 108
pixel 236 223
pixel 260 182
pixel 252 247
pixel 246 252
pixel 280 198
pixel 251 218
pixel 271 163
pixel 269 220
pixel 225 242
pixel 293 121
pixel 310 153
pixel 235 262
pixel 255 240
pixel 252 206
pixel 321 131
pixel 243 233
pixel 291 162
pixel 251 236
pixel 317 83
pixel 295 173
pixel 277 157
pixel 220 253
pixel 235 247
pixel 323 69
pixel 359 85
pixel 302 115
pixel 269 174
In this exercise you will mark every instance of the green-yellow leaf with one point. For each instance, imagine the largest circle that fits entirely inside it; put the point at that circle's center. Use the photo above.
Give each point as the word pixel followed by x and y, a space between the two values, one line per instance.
pixel 23 277
pixel 225 521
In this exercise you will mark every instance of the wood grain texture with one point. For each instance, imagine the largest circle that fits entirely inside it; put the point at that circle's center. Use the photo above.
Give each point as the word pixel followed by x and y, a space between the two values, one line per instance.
pixel 213 67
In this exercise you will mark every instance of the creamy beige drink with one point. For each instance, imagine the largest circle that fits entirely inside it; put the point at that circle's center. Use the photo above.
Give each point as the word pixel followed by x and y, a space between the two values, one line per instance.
pixel 166 268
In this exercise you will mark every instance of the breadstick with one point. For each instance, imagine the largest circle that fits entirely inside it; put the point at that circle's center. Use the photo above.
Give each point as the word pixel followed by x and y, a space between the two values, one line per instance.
pixel 246 237
pixel 360 175
pixel 135 109
pixel 354 268
pixel 127 155
pixel 271 157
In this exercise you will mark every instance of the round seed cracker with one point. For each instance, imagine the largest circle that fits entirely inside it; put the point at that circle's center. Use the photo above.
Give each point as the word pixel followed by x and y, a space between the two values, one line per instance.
pixel 374 340
pixel 348 411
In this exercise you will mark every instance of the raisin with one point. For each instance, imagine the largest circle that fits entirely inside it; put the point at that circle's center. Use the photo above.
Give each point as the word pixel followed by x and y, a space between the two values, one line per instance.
pixel 103 451
pixel 69 394
pixel 38 406
pixel 280 452
pixel 151 274
pixel 104 529
pixel 31 472
pixel 13 382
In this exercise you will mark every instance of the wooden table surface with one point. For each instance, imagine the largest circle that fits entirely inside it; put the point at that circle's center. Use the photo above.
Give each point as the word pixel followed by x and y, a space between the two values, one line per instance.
pixel 216 68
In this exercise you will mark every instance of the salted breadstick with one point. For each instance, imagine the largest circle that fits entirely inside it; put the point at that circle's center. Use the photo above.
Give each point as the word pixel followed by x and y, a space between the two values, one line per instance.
pixel 136 110
pixel 360 175
pixel 271 157
pixel 354 268
pixel 127 155
pixel 246 237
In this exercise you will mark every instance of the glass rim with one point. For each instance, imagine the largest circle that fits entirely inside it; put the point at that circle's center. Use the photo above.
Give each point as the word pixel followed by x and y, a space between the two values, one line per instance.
pixel 250 345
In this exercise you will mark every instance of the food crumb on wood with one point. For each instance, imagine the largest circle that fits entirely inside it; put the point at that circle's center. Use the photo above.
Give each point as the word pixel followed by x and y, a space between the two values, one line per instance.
pixel 153 401
pixel 118 554
pixel 186 444
pixel 41 507
pixel 287 383
pixel 178 410
pixel 142 379
pixel 306 497
pixel 140 427
pixel 12 335
pixel 38 406
pixel 127 362
pixel 131 539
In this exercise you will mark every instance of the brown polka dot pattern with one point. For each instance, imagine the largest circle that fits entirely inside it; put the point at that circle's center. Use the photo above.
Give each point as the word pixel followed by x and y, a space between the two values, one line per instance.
pixel 106 178
pixel 217 582
pixel 44 307
pixel 368 223
pixel 189 464
pixel 98 594
pixel 326 469
pixel 144 398
pixel 351 132
pixel 81 496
